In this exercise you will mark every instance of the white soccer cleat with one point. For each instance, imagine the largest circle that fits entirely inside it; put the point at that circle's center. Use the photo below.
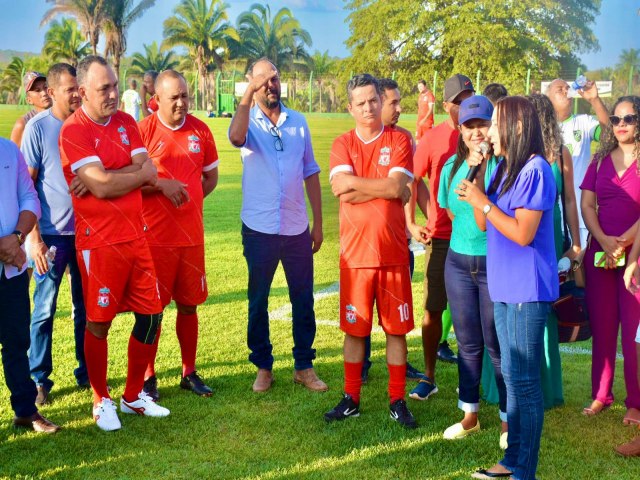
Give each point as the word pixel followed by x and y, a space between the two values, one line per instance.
pixel 105 415
pixel 144 405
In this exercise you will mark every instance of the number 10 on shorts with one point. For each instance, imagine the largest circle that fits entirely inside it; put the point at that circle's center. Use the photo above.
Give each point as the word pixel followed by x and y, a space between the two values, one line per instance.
pixel 403 309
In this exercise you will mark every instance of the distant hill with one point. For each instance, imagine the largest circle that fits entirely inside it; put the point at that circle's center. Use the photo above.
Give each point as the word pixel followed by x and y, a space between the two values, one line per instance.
pixel 7 55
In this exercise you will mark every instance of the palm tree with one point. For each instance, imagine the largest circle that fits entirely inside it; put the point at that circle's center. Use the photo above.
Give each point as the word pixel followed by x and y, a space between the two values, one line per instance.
pixel 279 38
pixel 202 27
pixel 90 14
pixel 63 42
pixel 120 15
pixel 154 58
pixel 12 78
pixel 321 64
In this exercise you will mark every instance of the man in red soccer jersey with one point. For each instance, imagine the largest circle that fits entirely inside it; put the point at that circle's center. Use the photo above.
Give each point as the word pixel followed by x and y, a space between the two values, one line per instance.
pixel 426 102
pixel 149 87
pixel 370 168
pixel 183 151
pixel 106 164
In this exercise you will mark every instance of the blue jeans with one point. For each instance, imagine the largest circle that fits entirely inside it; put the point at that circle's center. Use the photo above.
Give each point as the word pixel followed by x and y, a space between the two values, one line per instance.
pixel 263 252
pixel 14 338
pixel 520 328
pixel 45 302
pixel 472 315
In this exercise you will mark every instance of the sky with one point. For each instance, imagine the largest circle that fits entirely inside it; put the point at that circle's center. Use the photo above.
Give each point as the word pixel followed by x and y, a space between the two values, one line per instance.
pixel 617 27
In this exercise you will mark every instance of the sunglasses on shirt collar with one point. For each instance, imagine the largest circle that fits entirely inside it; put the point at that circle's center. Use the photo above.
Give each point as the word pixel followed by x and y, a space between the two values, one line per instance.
pixel 277 140
pixel 630 119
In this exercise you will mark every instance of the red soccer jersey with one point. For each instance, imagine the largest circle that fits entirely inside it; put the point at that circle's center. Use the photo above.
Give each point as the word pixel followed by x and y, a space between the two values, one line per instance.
pixel 372 234
pixel 435 148
pixel 152 105
pixel 424 99
pixel 181 154
pixel 108 221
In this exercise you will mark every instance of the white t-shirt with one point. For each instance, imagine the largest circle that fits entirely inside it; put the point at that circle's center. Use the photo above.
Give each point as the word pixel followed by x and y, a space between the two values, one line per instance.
pixel 132 102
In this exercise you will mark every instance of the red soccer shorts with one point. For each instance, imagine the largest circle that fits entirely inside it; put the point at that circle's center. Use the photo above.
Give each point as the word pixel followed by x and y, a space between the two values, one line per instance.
pixel 181 274
pixel 390 287
pixel 118 278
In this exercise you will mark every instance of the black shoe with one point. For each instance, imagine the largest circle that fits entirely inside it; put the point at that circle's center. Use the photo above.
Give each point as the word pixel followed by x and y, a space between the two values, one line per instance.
pixel 43 395
pixel 84 385
pixel 194 383
pixel 399 411
pixel 445 354
pixel 413 373
pixel 150 387
pixel 346 408
pixel 365 373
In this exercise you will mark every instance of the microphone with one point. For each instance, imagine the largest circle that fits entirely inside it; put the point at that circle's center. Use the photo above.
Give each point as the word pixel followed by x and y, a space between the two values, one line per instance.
pixel 473 171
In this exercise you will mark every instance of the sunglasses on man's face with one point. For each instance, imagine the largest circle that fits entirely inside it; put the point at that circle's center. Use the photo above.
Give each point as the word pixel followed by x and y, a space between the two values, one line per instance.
pixel 630 119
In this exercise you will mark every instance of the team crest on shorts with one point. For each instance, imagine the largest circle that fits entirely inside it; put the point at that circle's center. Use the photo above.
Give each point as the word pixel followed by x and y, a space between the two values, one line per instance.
pixel 385 156
pixel 577 135
pixel 194 144
pixel 123 135
pixel 350 314
pixel 103 297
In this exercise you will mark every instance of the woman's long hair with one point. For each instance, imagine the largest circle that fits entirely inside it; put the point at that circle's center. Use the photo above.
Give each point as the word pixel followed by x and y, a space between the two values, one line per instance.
pixel 520 138
pixel 551 135
pixel 609 142
pixel 462 152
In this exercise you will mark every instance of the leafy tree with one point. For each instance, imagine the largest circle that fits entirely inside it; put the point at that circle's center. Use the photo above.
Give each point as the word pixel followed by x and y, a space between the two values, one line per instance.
pixel 12 76
pixel 153 58
pixel 322 65
pixel 64 42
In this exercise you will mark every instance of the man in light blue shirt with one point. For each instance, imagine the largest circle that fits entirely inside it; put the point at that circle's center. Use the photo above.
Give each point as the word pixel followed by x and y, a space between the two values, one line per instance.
pixel 55 228
pixel 19 212
pixel 277 160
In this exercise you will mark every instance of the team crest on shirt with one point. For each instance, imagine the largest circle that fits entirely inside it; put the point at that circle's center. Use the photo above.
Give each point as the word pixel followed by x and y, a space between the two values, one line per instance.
pixel 103 297
pixel 351 314
pixel 194 144
pixel 385 156
pixel 123 135
pixel 577 135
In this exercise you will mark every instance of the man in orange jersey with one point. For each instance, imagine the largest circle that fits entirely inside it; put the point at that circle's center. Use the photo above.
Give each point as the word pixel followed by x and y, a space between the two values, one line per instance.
pixel 370 169
pixel 426 101
pixel 106 164
pixel 183 151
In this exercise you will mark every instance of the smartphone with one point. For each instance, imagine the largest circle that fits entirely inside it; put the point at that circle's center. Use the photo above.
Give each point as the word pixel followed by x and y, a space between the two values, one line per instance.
pixel 599 260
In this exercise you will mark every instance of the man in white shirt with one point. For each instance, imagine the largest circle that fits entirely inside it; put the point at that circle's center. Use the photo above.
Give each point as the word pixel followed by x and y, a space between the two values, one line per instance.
pixel 131 101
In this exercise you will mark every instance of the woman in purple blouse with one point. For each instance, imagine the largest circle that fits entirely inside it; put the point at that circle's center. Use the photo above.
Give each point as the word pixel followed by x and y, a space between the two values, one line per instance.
pixel 612 184
pixel 517 212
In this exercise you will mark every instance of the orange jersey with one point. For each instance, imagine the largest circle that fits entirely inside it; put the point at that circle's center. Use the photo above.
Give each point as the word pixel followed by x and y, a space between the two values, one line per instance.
pixel 181 154
pixel 108 221
pixel 424 99
pixel 372 234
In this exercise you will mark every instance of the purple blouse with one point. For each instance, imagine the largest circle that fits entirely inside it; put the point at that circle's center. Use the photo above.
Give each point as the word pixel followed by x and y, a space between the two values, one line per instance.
pixel 524 274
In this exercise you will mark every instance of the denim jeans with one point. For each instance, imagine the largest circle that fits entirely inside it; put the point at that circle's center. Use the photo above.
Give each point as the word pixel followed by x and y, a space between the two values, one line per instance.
pixel 520 328
pixel 263 252
pixel 45 301
pixel 472 315
pixel 14 338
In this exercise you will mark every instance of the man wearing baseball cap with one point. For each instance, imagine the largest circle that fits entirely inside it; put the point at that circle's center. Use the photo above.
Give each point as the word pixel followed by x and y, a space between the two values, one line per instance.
pixel 434 149
pixel 37 93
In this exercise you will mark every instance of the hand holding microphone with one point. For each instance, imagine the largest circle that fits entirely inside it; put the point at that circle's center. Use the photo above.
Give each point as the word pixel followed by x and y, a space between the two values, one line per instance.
pixel 485 147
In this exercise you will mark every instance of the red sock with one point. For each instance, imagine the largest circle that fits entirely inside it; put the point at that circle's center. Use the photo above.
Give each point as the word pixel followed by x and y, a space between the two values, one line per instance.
pixel 353 380
pixel 96 351
pixel 187 331
pixel 151 367
pixel 139 355
pixel 397 381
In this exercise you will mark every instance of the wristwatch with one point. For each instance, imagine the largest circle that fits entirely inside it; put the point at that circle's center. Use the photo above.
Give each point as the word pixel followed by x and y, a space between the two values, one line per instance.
pixel 20 235
pixel 486 209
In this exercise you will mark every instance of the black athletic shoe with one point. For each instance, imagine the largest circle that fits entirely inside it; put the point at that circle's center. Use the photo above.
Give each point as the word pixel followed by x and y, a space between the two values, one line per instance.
pixel 194 383
pixel 445 354
pixel 150 387
pixel 346 408
pixel 364 376
pixel 399 412
pixel 413 373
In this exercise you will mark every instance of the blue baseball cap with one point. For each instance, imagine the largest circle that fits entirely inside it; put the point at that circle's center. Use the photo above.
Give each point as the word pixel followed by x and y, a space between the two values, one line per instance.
pixel 477 106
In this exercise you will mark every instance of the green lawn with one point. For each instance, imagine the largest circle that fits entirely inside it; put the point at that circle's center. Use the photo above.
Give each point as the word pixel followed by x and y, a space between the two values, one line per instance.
pixel 281 434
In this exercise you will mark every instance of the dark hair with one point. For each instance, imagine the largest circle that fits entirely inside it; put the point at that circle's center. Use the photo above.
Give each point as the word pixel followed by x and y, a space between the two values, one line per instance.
pixel 551 135
pixel 261 59
pixel 85 64
pixel 520 138
pixel 609 142
pixel 387 84
pixel 362 80
pixel 423 82
pixel 494 92
pixel 56 71
pixel 151 73
pixel 462 152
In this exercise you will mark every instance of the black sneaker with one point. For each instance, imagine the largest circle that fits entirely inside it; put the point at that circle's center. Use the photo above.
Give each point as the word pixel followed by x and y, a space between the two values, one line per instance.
pixel 413 373
pixel 399 412
pixel 346 408
pixel 194 383
pixel 445 354
pixel 150 387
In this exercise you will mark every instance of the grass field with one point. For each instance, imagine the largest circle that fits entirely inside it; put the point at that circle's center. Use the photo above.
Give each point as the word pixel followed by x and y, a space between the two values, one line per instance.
pixel 281 434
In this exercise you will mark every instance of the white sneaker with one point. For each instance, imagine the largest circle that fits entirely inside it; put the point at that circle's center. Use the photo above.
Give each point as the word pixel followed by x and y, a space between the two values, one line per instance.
pixel 105 415
pixel 144 405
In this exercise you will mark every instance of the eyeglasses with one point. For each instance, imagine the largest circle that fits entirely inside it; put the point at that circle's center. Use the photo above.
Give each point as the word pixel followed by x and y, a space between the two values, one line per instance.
pixel 630 119
pixel 277 140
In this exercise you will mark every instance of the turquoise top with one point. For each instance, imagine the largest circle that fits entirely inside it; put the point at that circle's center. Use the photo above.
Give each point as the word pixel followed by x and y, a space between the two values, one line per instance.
pixel 466 237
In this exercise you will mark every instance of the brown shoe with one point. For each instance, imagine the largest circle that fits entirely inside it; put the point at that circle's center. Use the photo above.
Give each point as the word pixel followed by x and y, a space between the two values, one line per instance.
pixel 43 395
pixel 264 379
pixel 629 449
pixel 37 423
pixel 309 379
